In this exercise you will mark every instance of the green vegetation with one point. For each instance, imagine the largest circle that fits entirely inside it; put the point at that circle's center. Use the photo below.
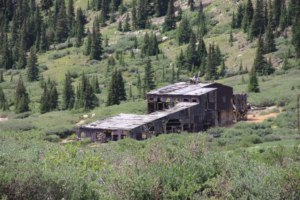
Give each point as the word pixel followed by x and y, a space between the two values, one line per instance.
pixel 58 63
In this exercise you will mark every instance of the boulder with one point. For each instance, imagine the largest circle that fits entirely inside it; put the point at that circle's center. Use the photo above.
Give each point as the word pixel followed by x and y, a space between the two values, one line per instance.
pixel 165 39
pixel 118 32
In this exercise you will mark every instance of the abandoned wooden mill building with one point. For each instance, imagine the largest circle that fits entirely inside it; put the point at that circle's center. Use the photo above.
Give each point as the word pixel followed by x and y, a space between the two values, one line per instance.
pixel 184 106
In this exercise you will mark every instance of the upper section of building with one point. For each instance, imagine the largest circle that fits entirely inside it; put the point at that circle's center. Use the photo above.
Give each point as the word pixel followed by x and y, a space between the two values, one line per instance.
pixel 183 88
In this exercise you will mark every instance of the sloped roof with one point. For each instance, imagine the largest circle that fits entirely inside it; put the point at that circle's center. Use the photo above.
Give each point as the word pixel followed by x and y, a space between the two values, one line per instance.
pixel 184 88
pixel 131 121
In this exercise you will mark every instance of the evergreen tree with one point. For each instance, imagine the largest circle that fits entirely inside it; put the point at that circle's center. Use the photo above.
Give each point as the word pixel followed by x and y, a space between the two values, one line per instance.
pixel 130 91
pixel 95 85
pixel 96 46
pixel 191 3
pixel 283 17
pixel 160 7
pixel 112 97
pixel 179 15
pixel 6 60
pixel 269 68
pixel 145 45
pixel 184 31
pixel 270 42
pixel 88 44
pixel 170 20
pixel 53 98
pixel 223 68
pixel 173 75
pixel 135 45
pixel 46 4
pixel 68 92
pixel 1 77
pixel 277 10
pixel 248 16
pixel 32 67
pixel 120 26
pixel 233 21
pixel 148 79
pixel 21 98
pixel 148 24
pixel 239 16
pixel 210 68
pixel 71 13
pixel 43 41
pixel 142 15
pixel 191 51
pixel 259 61
pixel 79 37
pixel 61 33
pixel 270 16
pixel 105 9
pixel 284 64
pixel 139 84
pixel 121 94
pixel 177 74
pixel 296 35
pixel 133 15
pixel 126 25
pixel 87 98
pixel 253 82
pixel 3 102
pixel 257 25
pixel 45 101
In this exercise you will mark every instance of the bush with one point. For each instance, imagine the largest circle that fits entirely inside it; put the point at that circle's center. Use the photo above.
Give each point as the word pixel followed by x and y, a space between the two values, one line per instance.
pixel 17 125
pixel 220 29
pixel 52 138
pixel 230 72
pixel 271 138
pixel 62 131
pixel 57 55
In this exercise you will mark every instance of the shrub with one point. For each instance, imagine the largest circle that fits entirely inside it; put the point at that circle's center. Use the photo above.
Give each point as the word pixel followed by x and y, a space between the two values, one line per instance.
pixel 230 72
pixel 52 138
pixel 62 131
pixel 57 55
pixel 220 29
pixel 17 125
pixel 271 138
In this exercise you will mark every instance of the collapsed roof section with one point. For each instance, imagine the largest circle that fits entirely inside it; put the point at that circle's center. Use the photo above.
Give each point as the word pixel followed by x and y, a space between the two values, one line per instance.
pixel 131 121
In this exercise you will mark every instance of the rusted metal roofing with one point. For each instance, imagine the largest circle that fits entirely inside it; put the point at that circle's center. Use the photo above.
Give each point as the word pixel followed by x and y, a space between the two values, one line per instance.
pixel 184 88
pixel 130 121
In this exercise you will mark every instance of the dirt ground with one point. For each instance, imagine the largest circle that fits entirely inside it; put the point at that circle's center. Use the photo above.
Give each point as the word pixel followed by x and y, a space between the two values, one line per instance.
pixel 3 119
pixel 254 116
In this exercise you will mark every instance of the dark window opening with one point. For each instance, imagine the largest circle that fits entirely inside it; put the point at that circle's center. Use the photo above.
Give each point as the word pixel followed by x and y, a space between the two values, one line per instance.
pixel 185 100
pixel 115 137
pixel 151 107
pixel 159 106
pixel 150 99
pixel 158 100
pixel 194 100
pixel 176 101
pixel 185 127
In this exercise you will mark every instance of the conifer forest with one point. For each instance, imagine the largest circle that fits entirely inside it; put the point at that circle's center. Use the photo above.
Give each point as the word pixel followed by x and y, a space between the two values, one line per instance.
pixel 66 63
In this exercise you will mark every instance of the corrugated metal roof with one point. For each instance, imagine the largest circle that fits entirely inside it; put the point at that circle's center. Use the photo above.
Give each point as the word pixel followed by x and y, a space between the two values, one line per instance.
pixel 130 121
pixel 184 88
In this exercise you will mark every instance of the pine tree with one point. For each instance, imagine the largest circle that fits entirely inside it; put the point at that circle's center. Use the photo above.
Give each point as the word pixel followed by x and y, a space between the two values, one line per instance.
pixel 257 25
pixel 296 35
pixel 283 17
pixel 173 75
pixel 240 68
pixel 32 67
pixel 239 16
pixel 87 99
pixel 259 61
pixel 1 77
pixel 120 26
pixel 120 87
pixel 21 98
pixel 233 21
pixel 3 102
pixel 179 15
pixel 184 31
pixel 191 3
pixel 135 45
pixel 130 91
pixel 270 42
pixel 46 4
pixel 139 84
pixel 160 7
pixel 88 44
pixel 277 4
pixel 68 92
pixel 253 82
pixel 145 44
pixel 133 15
pixel 148 79
pixel 210 68
pixel 43 41
pixel 223 68
pixel 96 46
pixel 95 85
pixel 45 101
pixel 112 97
pixel 53 98
pixel 79 37
pixel 71 13
pixel 177 74
pixel 191 51
pixel 142 15
pixel 170 20
pixel 126 25
pixel 269 68
pixel 248 16
pixel 6 60
pixel 284 64
pixel 61 33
